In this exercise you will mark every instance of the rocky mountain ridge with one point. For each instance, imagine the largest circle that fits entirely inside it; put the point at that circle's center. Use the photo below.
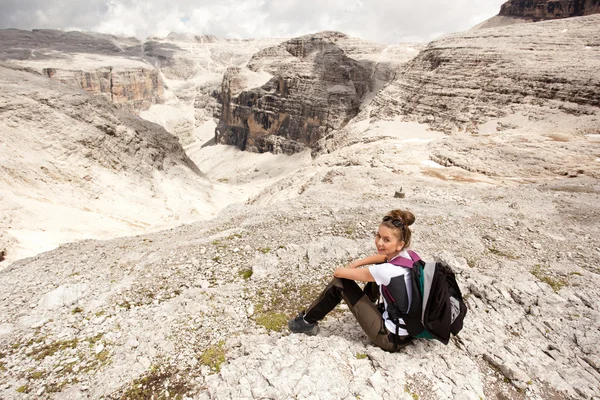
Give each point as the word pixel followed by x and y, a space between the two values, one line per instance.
pixel 73 58
pixel 460 82
pixel 68 158
pixel 543 9
pixel 319 83
pixel 316 88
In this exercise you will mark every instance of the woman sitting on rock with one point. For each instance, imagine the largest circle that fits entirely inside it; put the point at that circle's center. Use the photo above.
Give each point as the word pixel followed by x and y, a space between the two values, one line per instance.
pixel 391 241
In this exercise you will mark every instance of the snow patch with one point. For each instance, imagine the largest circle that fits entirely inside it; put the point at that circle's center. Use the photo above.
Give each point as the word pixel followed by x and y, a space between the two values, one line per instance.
pixel 432 164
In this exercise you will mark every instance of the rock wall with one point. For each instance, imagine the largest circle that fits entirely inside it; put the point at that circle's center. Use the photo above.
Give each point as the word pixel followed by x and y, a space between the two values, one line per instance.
pixel 73 58
pixel 133 89
pixel 463 80
pixel 316 88
pixel 544 9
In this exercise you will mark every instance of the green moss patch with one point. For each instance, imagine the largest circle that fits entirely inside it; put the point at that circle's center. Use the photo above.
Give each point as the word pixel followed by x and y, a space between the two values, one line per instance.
pixel 271 321
pixel 214 356
pixel 159 383
pixel 501 253
pixel 52 348
pixel 542 274
pixel 245 274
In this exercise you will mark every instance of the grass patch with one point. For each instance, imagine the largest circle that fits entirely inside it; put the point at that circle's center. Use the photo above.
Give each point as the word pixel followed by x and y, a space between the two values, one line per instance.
pixel 278 303
pixel 37 375
pixel 103 356
pixel 214 356
pixel 265 250
pixel 217 259
pixel 413 395
pixel 56 387
pixel 500 253
pixel 555 283
pixel 157 384
pixel 51 349
pixel 245 274
pixel 361 356
pixel 23 389
pixel 271 321
pixel 2 366
pixel 77 310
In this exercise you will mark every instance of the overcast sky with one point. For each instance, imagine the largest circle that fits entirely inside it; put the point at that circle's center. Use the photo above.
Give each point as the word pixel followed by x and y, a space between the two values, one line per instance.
pixel 383 21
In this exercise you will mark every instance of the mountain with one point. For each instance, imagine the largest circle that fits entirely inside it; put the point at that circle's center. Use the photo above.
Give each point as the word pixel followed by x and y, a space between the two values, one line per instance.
pixel 74 166
pixel 314 85
pixel 543 9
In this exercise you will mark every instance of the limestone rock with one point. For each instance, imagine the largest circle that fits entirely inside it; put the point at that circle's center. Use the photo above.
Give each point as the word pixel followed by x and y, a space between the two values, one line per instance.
pixel 64 295
pixel 318 85
pixel 461 81
pixel 123 78
pixel 543 9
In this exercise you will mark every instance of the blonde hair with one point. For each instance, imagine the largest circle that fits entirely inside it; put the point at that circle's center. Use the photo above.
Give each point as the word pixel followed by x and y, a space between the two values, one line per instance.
pixel 399 221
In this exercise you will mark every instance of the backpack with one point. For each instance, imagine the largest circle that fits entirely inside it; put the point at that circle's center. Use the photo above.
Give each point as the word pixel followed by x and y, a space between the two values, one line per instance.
pixel 437 308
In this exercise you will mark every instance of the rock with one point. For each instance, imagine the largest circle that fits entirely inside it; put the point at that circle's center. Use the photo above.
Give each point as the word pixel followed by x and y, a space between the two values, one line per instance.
pixel 542 10
pixel 316 87
pixel 131 84
pixel 454 68
pixel 64 295
pixel 135 88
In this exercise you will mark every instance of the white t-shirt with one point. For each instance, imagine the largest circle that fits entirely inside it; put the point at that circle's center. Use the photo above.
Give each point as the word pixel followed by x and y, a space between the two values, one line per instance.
pixel 383 273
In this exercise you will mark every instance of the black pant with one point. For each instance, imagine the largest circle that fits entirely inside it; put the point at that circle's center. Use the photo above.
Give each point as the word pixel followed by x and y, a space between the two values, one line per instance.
pixel 360 301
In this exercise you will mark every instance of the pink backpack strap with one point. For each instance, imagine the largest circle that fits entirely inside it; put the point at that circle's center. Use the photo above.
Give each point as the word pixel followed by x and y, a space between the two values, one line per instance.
pixel 405 262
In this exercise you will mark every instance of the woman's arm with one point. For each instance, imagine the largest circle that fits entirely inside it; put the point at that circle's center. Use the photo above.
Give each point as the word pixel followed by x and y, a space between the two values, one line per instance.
pixel 374 259
pixel 356 274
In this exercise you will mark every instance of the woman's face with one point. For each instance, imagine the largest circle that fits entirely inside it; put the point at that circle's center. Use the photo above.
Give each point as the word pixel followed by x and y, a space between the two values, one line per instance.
pixel 387 242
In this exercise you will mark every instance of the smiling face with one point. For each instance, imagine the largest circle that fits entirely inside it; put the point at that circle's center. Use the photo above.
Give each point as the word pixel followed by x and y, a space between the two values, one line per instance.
pixel 388 242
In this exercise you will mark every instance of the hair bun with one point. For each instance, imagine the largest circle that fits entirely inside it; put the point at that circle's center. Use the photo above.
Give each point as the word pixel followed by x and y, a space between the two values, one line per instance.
pixel 408 218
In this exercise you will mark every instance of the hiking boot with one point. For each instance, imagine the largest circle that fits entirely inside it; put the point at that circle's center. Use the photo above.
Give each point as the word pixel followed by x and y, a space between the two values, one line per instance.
pixel 299 325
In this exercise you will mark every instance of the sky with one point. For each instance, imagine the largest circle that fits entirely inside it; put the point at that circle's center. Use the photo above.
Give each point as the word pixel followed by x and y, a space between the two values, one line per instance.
pixel 382 21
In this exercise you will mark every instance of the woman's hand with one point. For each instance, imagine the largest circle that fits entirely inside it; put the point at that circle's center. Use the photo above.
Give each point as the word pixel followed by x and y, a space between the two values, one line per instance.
pixel 354 264
pixel 339 272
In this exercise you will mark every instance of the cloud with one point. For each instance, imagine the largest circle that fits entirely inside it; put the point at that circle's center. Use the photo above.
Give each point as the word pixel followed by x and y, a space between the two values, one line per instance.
pixel 384 21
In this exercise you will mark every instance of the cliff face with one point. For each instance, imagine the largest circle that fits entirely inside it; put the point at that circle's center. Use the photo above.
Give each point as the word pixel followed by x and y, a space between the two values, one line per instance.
pixel 461 81
pixel 553 9
pixel 315 88
pixel 133 89
pixel 69 158
pixel 73 58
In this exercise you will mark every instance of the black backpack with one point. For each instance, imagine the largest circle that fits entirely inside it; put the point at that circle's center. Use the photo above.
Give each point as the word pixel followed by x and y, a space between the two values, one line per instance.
pixel 437 308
